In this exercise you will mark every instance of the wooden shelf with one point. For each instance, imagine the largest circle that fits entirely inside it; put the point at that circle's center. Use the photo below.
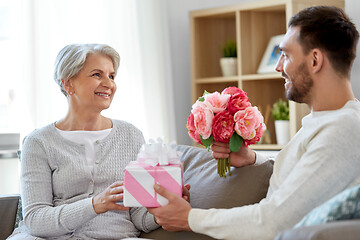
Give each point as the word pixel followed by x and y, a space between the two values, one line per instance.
pixel 271 147
pixel 267 76
pixel 217 80
pixel 247 77
pixel 274 147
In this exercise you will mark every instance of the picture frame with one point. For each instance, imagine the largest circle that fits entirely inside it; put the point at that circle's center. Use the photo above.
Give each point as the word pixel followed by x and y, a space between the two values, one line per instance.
pixel 271 55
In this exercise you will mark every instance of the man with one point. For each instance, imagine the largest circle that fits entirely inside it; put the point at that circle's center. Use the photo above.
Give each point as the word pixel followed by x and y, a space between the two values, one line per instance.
pixel 322 158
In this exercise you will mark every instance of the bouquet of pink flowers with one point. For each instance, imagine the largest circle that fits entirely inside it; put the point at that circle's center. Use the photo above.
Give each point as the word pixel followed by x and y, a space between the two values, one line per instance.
pixel 227 117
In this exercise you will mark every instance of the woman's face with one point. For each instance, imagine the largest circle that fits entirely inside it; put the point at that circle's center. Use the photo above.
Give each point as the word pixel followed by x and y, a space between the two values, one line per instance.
pixel 93 88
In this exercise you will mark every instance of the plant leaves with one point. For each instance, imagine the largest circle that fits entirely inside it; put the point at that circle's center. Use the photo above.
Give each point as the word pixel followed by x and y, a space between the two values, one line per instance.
pixel 280 110
pixel 207 142
pixel 229 49
pixel 235 142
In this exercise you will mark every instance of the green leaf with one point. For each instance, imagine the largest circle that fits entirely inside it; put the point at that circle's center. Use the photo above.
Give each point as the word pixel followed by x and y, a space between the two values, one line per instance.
pixel 207 142
pixel 202 98
pixel 205 92
pixel 235 142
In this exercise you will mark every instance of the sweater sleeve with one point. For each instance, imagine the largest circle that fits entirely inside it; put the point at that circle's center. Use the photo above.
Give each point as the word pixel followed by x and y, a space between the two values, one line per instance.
pixel 40 215
pixel 312 180
pixel 143 220
pixel 260 158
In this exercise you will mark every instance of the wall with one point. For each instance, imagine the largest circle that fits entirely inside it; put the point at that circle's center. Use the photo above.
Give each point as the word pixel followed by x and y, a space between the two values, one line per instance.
pixel 352 8
pixel 178 15
pixel 179 25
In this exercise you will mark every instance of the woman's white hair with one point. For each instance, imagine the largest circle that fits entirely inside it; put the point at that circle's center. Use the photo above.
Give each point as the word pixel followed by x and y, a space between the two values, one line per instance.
pixel 71 60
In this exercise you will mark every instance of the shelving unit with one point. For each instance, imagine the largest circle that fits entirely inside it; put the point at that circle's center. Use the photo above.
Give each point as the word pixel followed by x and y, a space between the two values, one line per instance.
pixel 251 25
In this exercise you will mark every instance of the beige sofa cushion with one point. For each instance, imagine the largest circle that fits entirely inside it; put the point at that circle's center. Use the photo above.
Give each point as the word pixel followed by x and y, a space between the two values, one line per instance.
pixel 245 186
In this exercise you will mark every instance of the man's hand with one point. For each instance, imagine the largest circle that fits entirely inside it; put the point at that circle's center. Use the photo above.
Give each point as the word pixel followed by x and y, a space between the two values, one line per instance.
pixel 107 199
pixel 245 156
pixel 174 215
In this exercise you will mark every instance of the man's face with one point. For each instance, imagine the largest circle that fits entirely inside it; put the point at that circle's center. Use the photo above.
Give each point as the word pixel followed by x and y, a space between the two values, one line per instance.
pixel 293 68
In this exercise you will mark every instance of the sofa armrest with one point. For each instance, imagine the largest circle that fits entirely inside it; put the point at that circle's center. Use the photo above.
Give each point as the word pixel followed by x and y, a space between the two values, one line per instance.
pixel 344 230
pixel 8 208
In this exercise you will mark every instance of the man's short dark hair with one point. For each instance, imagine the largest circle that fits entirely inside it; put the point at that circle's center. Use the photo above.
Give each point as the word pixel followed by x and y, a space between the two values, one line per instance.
pixel 330 30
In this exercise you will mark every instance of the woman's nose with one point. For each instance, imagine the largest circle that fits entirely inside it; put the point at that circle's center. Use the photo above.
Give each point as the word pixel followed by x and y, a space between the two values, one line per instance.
pixel 108 82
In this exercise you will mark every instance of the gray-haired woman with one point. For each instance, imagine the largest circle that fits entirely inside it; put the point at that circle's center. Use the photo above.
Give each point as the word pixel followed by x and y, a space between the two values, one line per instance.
pixel 70 169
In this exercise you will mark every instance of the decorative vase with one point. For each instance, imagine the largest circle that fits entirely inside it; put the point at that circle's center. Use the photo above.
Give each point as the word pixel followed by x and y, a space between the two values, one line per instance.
pixel 282 130
pixel 228 66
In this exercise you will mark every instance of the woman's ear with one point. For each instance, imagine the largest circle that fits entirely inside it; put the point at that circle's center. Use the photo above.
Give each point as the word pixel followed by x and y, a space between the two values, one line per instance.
pixel 67 86
pixel 317 60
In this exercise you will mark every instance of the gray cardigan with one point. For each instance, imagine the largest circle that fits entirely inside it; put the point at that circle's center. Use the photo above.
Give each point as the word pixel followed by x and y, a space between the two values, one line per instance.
pixel 57 186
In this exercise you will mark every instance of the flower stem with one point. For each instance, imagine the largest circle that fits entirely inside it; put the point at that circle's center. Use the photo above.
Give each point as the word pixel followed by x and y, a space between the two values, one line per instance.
pixel 223 166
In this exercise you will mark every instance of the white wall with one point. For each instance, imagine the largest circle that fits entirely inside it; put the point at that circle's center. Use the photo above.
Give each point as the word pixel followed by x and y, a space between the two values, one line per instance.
pixel 178 15
pixel 179 25
pixel 352 8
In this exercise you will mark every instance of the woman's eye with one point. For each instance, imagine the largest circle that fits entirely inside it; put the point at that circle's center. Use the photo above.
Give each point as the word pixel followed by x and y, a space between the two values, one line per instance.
pixel 112 77
pixel 96 75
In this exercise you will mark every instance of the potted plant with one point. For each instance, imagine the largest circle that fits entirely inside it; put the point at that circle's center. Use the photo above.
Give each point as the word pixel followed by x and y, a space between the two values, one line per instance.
pixel 228 62
pixel 280 113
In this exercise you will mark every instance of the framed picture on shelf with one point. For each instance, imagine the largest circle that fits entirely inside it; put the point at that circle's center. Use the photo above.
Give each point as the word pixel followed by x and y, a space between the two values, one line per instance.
pixel 271 55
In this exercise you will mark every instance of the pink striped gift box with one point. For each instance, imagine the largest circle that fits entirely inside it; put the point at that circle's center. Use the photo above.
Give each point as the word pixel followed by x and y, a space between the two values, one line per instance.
pixel 139 180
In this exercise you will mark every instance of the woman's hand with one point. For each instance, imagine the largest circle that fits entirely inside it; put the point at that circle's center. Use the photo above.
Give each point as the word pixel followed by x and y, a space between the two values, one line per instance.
pixel 186 193
pixel 245 156
pixel 106 200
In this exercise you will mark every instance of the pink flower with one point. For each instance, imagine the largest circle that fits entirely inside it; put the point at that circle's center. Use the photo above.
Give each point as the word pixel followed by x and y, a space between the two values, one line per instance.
pixel 203 119
pixel 217 102
pixel 231 90
pixel 223 126
pixel 259 131
pixel 192 130
pixel 247 121
pixel 238 100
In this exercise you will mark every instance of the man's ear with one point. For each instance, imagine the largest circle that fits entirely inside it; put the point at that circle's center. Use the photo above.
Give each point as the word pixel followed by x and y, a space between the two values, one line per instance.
pixel 317 60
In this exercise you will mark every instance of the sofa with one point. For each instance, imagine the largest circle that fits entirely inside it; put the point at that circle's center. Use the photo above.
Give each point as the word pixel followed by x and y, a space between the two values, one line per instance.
pixel 245 186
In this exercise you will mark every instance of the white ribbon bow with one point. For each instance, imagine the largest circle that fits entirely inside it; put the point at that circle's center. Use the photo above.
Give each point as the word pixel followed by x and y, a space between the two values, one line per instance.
pixel 157 153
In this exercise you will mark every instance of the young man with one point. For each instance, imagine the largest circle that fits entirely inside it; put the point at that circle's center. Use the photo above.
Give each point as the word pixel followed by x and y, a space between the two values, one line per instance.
pixel 323 157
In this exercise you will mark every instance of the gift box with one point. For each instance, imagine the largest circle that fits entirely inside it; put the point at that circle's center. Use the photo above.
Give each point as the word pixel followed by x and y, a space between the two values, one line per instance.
pixel 156 163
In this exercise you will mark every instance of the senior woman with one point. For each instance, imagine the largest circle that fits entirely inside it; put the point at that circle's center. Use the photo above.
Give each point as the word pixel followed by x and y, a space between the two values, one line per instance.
pixel 70 169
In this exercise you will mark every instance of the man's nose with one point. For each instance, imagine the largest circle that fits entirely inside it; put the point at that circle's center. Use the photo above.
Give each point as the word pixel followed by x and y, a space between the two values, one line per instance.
pixel 279 64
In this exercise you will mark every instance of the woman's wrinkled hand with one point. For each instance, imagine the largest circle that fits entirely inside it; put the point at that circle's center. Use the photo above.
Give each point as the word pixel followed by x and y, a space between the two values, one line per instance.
pixel 186 192
pixel 107 200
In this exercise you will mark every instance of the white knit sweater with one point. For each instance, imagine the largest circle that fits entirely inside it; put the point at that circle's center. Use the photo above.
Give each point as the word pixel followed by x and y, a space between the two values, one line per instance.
pixel 57 186
pixel 319 162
